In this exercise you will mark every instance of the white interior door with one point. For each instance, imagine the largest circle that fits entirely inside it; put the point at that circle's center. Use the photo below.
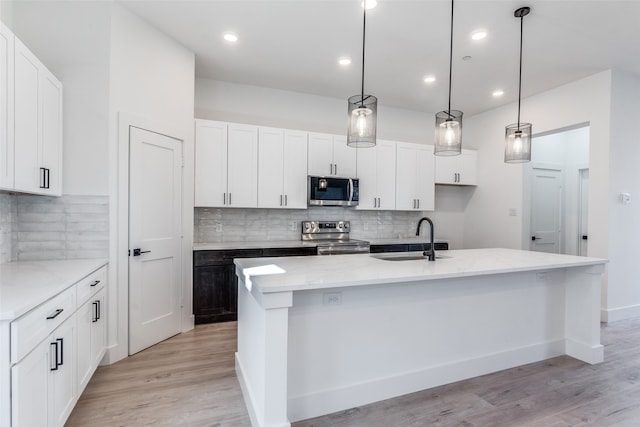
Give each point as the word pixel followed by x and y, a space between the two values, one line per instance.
pixel 155 200
pixel 583 233
pixel 546 210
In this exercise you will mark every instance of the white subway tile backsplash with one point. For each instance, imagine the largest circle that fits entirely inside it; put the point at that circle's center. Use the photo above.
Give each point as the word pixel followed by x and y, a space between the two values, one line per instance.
pixel 8 214
pixel 275 224
pixel 64 227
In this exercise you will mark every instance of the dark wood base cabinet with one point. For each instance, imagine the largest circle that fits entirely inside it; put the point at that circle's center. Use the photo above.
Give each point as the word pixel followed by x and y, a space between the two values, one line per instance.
pixel 215 285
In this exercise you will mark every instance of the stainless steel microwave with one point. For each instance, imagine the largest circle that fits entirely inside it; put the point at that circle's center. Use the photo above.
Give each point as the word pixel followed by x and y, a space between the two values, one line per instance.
pixel 333 191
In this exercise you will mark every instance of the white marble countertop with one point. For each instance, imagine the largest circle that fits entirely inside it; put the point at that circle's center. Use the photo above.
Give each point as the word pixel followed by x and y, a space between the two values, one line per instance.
pixel 257 244
pixel 319 272
pixel 24 285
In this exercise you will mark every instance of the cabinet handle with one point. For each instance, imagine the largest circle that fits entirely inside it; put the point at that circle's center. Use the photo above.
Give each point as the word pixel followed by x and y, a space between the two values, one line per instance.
pixel 55 314
pixel 61 341
pixel 379 202
pixel 336 167
pixel 229 199
pixel 42 178
pixel 94 317
pixel 375 202
pixel 286 202
pixel 330 168
pixel 54 356
pixel 95 283
pixel 224 198
pixel 281 200
pixel 48 178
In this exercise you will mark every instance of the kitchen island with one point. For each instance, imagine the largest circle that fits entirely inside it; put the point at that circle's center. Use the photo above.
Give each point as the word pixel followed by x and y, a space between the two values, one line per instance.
pixel 322 334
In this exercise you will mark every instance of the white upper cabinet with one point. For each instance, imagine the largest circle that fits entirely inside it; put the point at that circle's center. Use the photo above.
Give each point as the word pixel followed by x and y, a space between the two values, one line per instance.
pixel 50 155
pixel 226 165
pixel 242 166
pixel 37 131
pixel 282 169
pixel 415 189
pixel 6 108
pixel 329 155
pixel 377 174
pixel 210 163
pixel 457 170
pixel 27 94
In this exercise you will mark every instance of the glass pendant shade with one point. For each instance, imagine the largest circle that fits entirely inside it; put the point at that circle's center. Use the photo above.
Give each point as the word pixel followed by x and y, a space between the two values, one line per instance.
pixel 448 133
pixel 362 117
pixel 518 143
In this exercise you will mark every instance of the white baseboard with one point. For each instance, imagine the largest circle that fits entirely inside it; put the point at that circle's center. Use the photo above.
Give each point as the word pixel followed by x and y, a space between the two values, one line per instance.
pixel 585 352
pixel 620 313
pixel 337 399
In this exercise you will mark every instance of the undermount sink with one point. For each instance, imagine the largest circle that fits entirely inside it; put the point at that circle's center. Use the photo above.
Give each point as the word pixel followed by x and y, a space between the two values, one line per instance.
pixel 416 257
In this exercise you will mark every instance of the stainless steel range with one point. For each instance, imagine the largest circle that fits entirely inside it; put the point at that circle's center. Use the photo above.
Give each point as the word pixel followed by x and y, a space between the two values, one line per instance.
pixel 333 237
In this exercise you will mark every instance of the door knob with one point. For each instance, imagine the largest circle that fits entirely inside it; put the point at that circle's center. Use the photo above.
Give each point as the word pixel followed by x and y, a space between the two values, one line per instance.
pixel 138 252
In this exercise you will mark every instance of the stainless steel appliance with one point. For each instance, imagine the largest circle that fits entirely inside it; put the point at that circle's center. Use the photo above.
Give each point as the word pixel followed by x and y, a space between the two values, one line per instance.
pixel 333 237
pixel 333 191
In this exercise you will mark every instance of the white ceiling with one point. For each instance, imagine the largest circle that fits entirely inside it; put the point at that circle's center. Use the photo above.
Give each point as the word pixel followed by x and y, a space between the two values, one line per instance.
pixel 294 45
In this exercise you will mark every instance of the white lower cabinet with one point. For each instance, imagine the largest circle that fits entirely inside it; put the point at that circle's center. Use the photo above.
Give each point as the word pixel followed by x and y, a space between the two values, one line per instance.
pixel 91 337
pixel 47 378
pixel 43 384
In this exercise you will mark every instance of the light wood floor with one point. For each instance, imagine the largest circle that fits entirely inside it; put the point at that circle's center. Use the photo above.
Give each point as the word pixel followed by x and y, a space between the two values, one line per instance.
pixel 189 380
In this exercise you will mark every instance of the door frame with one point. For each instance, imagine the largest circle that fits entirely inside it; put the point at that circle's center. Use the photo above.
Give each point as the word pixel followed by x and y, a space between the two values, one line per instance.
pixel 118 289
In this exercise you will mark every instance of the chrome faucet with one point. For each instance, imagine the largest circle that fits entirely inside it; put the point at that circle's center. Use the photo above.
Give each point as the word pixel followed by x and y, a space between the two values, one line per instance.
pixel 430 253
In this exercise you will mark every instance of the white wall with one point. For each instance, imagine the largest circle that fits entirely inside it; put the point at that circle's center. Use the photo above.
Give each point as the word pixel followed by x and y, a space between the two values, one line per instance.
pixel 623 296
pixel 6 13
pixel 500 186
pixel 217 100
pixel 151 79
pixel 72 40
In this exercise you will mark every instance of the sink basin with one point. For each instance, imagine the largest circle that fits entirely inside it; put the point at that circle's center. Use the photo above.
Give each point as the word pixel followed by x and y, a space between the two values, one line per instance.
pixel 405 257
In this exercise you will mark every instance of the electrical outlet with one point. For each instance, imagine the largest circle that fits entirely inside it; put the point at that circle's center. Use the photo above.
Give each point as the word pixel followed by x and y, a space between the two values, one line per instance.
pixel 293 226
pixel 218 227
pixel 366 226
pixel 332 298
pixel 513 212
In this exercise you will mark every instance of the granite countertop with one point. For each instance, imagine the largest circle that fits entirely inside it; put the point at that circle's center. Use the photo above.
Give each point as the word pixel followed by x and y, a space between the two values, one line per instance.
pixel 306 273
pixel 257 244
pixel 26 284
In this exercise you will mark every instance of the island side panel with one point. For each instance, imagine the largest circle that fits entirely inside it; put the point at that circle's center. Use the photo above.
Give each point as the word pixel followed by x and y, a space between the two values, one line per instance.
pixel 583 295
pixel 261 359
pixel 383 341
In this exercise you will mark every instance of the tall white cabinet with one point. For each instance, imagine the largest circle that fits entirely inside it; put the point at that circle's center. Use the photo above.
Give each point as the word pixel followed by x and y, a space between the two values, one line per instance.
pixel 415 180
pixel 282 170
pixel 226 165
pixel 329 155
pixel 31 119
pixel 377 174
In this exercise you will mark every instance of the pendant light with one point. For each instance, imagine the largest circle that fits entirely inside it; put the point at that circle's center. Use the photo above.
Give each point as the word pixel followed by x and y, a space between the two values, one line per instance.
pixel 362 113
pixel 449 123
pixel 518 135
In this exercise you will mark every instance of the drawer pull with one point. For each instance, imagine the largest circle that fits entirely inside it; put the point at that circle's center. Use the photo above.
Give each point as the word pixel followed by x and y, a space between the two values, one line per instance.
pixel 61 341
pixel 56 314
pixel 95 283
pixel 54 356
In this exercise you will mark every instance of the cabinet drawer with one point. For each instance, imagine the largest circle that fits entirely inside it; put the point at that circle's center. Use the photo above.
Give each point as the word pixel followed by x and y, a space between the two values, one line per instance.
pixel 28 330
pixel 91 284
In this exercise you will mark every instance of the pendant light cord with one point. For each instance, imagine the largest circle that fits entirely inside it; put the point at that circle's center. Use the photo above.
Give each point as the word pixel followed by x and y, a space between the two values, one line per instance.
pixel 364 26
pixel 450 60
pixel 520 73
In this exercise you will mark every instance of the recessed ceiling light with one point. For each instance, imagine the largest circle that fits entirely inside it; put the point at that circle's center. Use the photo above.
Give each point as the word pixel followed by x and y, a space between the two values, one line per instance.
pixel 369 4
pixel 478 35
pixel 344 61
pixel 230 37
pixel 429 79
pixel 497 93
